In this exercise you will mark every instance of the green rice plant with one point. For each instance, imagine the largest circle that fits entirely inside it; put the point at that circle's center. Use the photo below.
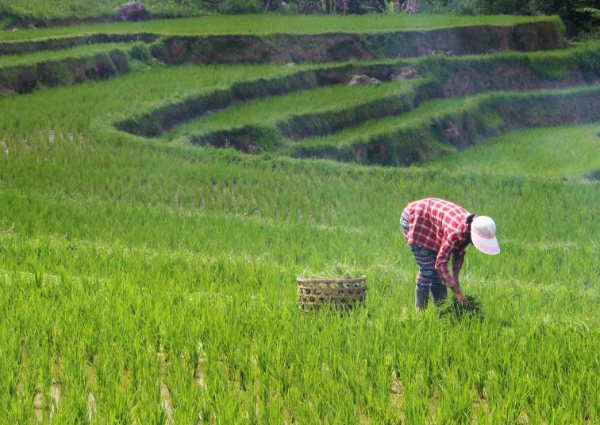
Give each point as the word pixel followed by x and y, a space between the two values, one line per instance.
pixel 452 308
pixel 78 9
pixel 588 60
pixel 85 101
pixel 226 351
pixel 264 121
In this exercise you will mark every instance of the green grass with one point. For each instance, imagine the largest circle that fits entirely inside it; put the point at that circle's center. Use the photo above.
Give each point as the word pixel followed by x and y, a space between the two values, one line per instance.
pixel 58 55
pixel 268 24
pixel 544 152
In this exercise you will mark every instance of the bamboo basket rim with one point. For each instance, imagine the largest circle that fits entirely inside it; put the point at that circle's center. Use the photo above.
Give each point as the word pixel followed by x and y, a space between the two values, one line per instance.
pixel 355 280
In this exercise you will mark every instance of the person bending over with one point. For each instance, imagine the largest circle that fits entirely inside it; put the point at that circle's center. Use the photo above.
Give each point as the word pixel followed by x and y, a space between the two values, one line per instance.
pixel 435 230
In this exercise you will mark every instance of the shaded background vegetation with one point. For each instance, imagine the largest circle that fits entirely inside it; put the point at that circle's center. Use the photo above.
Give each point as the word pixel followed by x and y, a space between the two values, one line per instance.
pixel 580 24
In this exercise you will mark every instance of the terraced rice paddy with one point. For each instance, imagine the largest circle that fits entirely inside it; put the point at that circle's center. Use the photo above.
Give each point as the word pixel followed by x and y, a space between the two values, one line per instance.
pixel 266 24
pixel 147 277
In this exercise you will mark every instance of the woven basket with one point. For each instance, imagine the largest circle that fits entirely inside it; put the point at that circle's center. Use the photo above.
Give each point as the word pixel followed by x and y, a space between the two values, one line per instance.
pixel 340 293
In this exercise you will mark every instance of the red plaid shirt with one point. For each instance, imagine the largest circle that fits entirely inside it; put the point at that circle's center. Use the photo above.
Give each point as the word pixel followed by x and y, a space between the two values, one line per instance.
pixel 440 226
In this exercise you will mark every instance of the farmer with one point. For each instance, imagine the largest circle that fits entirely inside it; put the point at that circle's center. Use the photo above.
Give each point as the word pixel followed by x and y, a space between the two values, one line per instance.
pixel 434 230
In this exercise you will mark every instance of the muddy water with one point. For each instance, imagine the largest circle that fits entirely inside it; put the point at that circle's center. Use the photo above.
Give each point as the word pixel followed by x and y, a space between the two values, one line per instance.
pixel 55 395
pixel 165 404
pixel 38 405
pixel 91 405
pixel 92 411
pixel 165 395
pixel 199 373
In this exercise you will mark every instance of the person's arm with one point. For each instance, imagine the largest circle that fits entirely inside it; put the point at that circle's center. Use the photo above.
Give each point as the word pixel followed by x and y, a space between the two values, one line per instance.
pixel 441 265
pixel 458 259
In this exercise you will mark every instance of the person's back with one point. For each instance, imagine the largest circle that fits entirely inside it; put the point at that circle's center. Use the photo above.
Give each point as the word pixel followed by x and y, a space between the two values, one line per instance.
pixel 434 220
pixel 435 230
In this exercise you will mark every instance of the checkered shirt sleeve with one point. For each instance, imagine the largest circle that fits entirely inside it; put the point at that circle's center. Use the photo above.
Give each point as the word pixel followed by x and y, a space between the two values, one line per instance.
pixel 437 225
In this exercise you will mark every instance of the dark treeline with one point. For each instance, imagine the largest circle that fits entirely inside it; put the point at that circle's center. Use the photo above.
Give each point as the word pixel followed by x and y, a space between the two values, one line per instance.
pixel 581 17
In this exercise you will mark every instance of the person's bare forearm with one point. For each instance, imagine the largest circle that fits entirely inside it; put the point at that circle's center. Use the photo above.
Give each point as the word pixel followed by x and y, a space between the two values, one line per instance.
pixel 441 266
pixel 457 263
pixel 453 285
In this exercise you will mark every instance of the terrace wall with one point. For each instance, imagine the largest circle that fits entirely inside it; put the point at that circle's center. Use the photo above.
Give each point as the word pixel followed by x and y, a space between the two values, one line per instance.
pixel 283 48
pixel 20 47
pixel 26 78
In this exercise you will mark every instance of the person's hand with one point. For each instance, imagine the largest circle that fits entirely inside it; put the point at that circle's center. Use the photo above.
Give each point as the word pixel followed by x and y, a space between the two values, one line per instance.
pixel 463 301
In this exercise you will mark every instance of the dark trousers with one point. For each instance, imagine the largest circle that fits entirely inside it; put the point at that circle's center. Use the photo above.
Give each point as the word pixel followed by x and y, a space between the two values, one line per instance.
pixel 428 279
pixel 438 293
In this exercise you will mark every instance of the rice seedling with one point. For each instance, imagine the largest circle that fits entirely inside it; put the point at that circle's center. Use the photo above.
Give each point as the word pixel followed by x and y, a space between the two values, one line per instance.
pixel 452 308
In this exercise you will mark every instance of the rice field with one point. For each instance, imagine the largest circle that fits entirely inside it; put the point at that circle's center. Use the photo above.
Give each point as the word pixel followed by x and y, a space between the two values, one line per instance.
pixel 120 281
pixel 153 282
pixel 262 24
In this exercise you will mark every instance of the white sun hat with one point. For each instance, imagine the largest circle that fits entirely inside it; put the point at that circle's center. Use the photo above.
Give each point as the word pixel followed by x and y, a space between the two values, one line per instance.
pixel 483 235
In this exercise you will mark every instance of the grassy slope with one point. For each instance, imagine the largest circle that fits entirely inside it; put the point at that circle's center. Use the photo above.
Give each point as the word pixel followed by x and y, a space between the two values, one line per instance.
pixel 547 152
pixel 268 24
